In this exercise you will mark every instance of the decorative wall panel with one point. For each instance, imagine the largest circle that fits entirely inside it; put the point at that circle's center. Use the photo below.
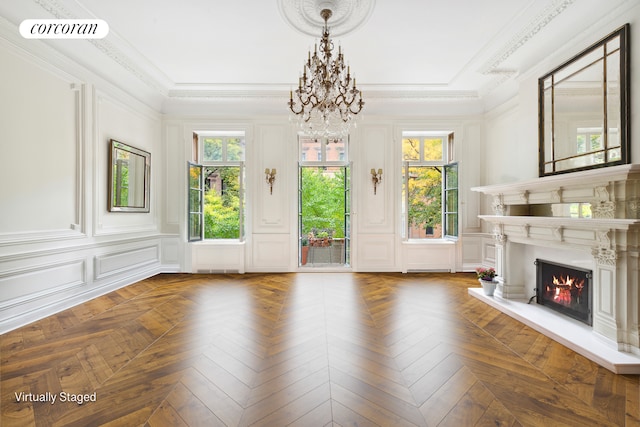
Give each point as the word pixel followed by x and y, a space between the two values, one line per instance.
pixel 376 252
pixel 122 261
pixel 272 209
pixel 218 257
pixel 40 280
pixel 272 252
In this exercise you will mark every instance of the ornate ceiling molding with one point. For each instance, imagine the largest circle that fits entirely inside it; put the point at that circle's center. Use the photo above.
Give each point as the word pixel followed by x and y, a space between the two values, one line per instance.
pixel 109 49
pixel 543 19
pixel 347 15
pixel 235 92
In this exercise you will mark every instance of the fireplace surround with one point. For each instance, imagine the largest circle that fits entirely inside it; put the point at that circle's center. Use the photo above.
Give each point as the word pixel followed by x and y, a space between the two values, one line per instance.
pixel 608 244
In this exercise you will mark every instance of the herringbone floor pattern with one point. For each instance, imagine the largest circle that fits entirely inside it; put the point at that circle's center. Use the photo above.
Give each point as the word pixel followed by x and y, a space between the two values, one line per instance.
pixel 304 350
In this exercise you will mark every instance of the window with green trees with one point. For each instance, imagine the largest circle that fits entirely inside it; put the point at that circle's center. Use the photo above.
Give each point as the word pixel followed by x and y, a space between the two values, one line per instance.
pixel 430 186
pixel 323 200
pixel 216 187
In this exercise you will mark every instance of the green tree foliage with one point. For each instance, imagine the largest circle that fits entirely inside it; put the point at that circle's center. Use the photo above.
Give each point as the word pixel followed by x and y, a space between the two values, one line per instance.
pixel 410 149
pixel 425 196
pixel 424 192
pixel 213 149
pixel 323 200
pixel 222 207
pixel 432 149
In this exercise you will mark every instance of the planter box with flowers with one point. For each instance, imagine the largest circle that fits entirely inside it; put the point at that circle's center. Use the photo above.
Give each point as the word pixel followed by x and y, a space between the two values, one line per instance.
pixel 486 277
pixel 320 239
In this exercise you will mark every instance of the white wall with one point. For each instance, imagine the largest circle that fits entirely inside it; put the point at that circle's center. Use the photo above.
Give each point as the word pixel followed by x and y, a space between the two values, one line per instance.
pixel 271 225
pixel 58 244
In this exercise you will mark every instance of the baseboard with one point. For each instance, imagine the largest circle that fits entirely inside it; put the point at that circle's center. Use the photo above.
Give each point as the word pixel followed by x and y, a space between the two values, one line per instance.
pixel 33 315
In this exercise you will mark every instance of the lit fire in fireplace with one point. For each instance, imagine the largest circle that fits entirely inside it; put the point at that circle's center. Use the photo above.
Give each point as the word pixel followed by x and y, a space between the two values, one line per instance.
pixel 565 290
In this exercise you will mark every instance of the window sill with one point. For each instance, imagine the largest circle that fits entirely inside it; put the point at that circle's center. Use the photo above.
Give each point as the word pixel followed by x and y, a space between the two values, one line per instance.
pixel 218 242
pixel 425 242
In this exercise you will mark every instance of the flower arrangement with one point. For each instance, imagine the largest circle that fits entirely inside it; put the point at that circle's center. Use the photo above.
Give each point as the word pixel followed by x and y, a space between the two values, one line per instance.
pixel 486 273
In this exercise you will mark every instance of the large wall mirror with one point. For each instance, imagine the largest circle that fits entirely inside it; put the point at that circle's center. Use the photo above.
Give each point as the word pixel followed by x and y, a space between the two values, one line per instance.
pixel 584 109
pixel 129 174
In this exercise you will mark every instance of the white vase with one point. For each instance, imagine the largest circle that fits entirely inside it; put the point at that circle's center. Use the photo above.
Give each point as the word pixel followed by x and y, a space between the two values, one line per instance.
pixel 488 286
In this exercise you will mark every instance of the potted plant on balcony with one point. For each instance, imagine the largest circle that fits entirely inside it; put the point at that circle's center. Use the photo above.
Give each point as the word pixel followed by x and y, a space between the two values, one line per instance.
pixel 320 238
pixel 324 237
pixel 486 277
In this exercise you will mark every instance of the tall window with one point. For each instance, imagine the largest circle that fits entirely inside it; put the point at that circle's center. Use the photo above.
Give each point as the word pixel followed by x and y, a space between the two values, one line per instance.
pixel 430 186
pixel 216 186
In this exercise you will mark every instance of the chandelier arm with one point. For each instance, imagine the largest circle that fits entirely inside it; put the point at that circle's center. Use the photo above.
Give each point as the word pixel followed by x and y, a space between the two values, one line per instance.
pixel 294 111
pixel 360 105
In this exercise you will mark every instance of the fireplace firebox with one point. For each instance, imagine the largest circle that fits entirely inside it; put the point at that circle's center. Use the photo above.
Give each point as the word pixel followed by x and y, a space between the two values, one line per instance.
pixel 565 289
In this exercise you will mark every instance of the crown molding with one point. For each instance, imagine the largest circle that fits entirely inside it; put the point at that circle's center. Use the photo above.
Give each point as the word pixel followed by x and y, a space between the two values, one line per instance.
pixel 386 92
pixel 149 74
pixel 35 52
pixel 544 18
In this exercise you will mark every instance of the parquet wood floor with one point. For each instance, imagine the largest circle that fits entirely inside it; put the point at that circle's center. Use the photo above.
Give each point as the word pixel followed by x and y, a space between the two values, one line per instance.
pixel 308 349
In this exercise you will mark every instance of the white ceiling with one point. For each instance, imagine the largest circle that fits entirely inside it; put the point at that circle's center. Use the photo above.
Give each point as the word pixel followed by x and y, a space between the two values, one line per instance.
pixel 170 53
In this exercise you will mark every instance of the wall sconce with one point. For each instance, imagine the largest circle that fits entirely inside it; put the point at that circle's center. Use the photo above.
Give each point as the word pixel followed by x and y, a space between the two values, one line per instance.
pixel 270 176
pixel 376 178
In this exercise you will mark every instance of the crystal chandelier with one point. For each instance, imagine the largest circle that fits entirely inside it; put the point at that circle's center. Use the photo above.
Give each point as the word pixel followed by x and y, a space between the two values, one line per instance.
pixel 327 98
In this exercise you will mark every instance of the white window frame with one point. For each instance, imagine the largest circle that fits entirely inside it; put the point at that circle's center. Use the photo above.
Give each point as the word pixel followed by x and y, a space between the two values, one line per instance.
pixel 444 163
pixel 223 162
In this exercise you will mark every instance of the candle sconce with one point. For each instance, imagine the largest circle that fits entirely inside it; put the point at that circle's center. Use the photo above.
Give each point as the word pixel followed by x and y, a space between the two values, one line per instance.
pixel 376 178
pixel 270 177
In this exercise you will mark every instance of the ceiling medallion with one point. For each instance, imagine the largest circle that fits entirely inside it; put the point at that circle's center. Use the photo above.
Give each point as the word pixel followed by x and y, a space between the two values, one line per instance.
pixel 347 15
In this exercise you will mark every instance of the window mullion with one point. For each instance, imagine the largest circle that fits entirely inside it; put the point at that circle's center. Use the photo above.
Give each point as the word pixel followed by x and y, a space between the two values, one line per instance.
pixel 192 214
pixel 405 228
pixel 225 140
pixel 241 201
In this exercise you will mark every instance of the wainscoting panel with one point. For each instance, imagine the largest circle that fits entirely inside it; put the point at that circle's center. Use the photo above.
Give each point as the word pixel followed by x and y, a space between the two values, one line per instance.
pixel 223 257
pixel 376 252
pixel 35 285
pixel 171 250
pixel 436 256
pixel 472 251
pixel 26 291
pixel 118 262
pixel 271 252
pixel 38 281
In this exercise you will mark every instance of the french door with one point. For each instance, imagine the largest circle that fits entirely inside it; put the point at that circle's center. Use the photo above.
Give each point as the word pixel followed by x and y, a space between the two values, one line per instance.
pixel 324 215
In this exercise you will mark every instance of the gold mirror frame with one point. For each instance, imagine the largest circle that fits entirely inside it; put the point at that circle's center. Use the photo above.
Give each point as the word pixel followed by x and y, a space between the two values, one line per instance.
pixel 129 175
pixel 583 109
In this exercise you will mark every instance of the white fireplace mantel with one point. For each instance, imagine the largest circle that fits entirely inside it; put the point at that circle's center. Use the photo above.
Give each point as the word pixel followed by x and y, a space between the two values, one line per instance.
pixel 610 240
pixel 571 181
